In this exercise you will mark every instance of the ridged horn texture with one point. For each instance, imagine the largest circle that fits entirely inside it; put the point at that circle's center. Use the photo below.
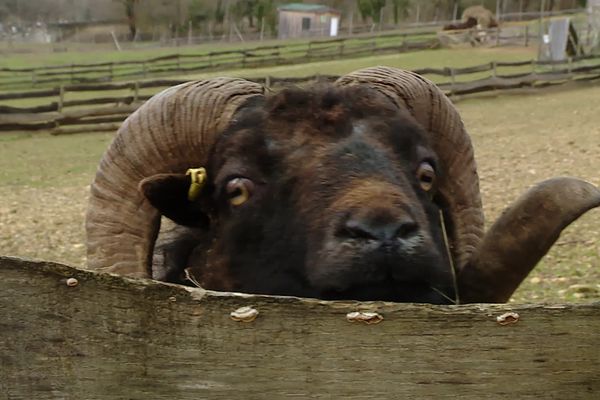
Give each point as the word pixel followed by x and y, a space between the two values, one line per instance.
pixel 522 236
pixel 459 186
pixel 171 132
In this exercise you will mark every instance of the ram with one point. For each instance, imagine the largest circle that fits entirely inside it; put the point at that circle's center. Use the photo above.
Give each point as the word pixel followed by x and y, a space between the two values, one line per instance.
pixel 366 189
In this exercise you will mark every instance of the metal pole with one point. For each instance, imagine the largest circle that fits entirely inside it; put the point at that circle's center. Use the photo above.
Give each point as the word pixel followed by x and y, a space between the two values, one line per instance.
pixel 498 10
pixel 455 13
pixel 61 98
pixel 541 28
pixel 177 26
pixel 350 24
pixel 520 10
pixel 262 28
pixel 418 11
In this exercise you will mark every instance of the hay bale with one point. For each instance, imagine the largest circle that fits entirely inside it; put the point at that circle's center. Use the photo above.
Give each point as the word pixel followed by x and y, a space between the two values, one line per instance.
pixel 485 18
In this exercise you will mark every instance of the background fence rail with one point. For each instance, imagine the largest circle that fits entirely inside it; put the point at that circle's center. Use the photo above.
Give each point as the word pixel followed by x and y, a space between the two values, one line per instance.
pixel 511 34
pixel 108 109
pixel 206 61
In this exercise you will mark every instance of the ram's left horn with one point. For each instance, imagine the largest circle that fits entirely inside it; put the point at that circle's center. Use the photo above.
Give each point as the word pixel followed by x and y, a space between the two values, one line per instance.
pixel 522 236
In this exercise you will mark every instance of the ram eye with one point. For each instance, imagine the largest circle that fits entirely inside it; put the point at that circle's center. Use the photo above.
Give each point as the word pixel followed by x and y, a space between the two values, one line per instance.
pixel 426 176
pixel 239 190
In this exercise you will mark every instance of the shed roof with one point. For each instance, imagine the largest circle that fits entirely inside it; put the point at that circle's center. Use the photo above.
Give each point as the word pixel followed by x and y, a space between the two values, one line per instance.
pixel 301 7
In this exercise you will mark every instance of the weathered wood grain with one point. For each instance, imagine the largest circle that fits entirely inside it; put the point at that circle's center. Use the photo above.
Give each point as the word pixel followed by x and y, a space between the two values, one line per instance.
pixel 118 338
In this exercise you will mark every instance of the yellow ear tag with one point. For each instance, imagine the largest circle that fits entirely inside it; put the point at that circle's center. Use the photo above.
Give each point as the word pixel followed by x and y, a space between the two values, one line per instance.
pixel 198 176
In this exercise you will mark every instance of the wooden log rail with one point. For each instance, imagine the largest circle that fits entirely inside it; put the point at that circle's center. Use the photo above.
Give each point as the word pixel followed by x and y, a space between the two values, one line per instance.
pixel 54 116
pixel 33 122
pixel 74 334
pixel 238 58
pixel 446 72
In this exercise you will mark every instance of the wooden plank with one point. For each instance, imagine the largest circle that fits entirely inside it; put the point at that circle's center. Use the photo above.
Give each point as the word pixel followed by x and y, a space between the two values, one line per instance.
pixel 30 94
pixel 27 122
pixel 113 337
pixel 301 79
pixel 53 106
pixel 104 127
pixel 94 121
pixel 89 87
pixel 11 122
pixel 476 68
pixel 434 71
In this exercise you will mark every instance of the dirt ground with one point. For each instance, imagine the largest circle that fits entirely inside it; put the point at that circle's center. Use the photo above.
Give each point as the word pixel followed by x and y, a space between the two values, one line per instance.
pixel 519 140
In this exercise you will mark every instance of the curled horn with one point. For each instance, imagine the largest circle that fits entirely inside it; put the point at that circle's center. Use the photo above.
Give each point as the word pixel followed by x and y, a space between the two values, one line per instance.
pixel 170 133
pixel 522 236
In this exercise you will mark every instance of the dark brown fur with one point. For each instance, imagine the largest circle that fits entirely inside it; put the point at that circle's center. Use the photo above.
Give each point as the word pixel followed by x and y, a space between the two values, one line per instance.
pixel 337 210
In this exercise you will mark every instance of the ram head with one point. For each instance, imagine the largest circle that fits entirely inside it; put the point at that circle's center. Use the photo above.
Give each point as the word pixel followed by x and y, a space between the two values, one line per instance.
pixel 366 189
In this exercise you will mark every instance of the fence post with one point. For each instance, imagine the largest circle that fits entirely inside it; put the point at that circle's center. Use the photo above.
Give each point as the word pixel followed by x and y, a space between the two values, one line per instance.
pixel 452 81
pixel 178 63
pixel 494 66
pixel 342 48
pixel 350 24
pixel 33 77
pixel 570 67
pixel 497 36
pixel 110 71
pixel 144 69
pixel 136 91
pixel 526 35
pixel 267 81
pixel 61 98
pixel 72 72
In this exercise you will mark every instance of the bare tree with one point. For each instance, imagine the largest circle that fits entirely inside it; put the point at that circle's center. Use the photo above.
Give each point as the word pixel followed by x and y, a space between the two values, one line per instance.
pixel 400 9
pixel 130 12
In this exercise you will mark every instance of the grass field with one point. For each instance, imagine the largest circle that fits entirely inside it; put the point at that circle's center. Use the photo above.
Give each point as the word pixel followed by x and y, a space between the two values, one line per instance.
pixel 519 140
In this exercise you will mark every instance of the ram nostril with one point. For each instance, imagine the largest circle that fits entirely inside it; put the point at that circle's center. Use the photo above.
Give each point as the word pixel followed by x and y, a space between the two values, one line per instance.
pixel 406 229
pixel 357 229
pixel 366 229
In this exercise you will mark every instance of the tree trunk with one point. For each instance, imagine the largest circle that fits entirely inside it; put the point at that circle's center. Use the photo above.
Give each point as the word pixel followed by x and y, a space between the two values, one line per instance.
pixel 131 17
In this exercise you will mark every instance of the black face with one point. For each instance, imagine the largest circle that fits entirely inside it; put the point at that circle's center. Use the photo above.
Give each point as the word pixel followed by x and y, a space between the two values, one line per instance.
pixel 326 194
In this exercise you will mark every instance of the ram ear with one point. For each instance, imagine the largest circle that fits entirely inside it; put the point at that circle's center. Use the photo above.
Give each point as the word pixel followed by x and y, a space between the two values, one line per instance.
pixel 168 193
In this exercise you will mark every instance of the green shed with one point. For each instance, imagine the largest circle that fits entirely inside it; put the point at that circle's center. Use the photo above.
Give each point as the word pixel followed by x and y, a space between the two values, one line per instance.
pixel 307 20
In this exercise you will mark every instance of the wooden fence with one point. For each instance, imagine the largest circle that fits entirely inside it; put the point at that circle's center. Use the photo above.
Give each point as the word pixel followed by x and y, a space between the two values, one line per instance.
pixel 217 60
pixel 66 333
pixel 108 111
pixel 262 56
